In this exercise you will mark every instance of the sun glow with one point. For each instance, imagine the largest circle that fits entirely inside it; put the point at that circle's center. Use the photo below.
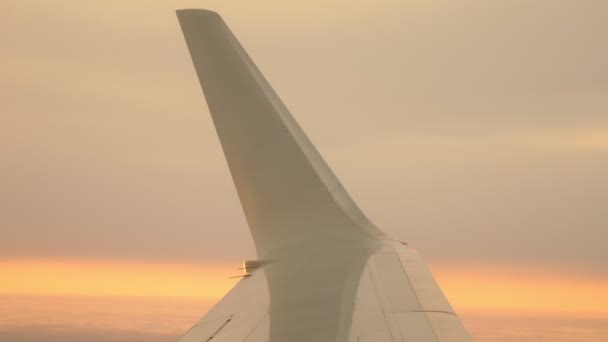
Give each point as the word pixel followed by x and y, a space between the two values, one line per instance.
pixel 485 287
pixel 533 289
pixel 96 278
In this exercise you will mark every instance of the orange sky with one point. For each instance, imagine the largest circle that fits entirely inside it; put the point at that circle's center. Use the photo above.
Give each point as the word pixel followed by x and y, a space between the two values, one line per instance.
pixel 472 287
pixel 75 277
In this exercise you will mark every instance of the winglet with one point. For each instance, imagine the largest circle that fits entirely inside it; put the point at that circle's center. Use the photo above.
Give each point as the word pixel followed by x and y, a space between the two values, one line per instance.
pixel 287 191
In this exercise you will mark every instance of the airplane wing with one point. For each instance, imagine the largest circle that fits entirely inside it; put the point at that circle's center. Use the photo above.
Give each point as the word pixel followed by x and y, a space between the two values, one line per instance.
pixel 324 271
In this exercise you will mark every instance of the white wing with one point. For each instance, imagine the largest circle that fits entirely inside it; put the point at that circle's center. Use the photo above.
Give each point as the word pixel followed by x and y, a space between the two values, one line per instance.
pixel 325 272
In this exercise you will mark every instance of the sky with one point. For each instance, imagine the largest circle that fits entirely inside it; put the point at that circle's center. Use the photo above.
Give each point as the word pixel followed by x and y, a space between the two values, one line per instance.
pixel 477 131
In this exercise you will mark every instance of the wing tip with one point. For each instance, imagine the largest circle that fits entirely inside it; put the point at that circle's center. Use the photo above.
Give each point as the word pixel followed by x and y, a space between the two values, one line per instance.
pixel 196 12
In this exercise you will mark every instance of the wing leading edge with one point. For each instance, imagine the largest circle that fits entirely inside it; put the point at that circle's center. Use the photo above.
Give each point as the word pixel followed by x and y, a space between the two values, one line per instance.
pixel 329 275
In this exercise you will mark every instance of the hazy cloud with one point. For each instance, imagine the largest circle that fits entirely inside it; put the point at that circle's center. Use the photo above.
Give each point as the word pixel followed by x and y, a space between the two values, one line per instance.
pixel 474 130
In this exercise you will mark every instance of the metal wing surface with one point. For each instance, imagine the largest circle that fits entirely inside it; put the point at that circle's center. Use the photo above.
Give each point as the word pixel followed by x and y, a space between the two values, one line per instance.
pixel 324 271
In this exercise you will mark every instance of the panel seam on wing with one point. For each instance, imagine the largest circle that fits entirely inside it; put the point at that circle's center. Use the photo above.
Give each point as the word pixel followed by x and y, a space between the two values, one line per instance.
pixel 377 292
pixel 407 277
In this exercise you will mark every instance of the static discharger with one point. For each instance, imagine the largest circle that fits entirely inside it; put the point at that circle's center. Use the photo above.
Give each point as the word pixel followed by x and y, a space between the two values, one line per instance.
pixel 249 266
